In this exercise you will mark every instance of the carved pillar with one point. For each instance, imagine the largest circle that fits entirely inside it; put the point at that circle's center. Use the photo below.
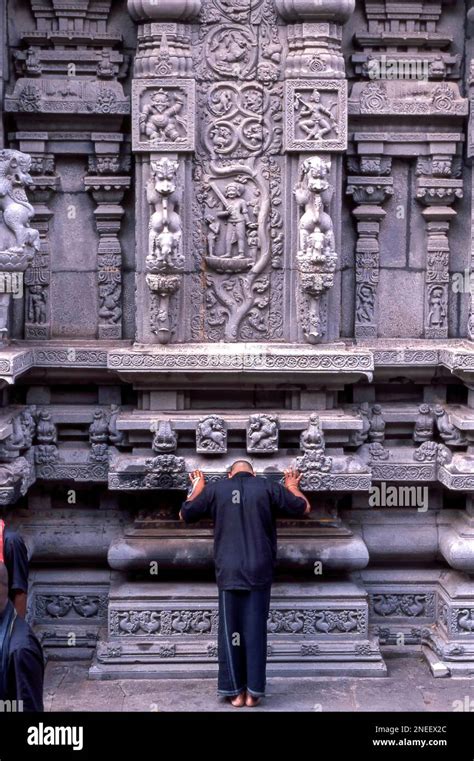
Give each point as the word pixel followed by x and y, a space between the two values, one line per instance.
pixel 436 193
pixel 369 190
pixel 316 131
pixel 108 189
pixel 470 153
pixel 38 274
pixel 163 105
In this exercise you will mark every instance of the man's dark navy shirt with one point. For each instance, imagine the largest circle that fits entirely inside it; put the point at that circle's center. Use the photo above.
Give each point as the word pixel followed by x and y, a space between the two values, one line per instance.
pixel 244 509
pixel 16 561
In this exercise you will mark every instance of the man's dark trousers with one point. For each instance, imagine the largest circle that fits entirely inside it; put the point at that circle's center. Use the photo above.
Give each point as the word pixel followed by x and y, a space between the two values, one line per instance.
pixel 242 641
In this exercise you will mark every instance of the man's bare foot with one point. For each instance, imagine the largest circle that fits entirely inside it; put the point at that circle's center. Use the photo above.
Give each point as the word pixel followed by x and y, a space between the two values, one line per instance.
pixel 251 702
pixel 239 700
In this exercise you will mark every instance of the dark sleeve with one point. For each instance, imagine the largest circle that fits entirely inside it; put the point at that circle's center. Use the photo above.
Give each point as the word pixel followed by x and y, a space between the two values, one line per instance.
pixel 28 668
pixel 16 561
pixel 195 509
pixel 283 501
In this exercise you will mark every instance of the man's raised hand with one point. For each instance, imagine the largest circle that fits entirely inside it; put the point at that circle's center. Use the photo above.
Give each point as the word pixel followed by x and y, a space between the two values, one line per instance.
pixel 292 478
pixel 198 481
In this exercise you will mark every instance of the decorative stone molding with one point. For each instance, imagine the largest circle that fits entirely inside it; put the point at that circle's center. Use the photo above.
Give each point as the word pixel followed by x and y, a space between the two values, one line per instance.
pixel 164 10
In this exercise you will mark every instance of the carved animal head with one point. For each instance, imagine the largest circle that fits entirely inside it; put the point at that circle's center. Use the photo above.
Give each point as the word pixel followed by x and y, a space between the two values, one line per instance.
pixel 316 169
pixel 14 171
pixel 164 176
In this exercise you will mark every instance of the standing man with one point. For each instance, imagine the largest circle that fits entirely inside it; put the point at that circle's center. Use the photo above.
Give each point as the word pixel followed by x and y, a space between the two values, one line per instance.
pixel 21 657
pixel 244 508
pixel 14 554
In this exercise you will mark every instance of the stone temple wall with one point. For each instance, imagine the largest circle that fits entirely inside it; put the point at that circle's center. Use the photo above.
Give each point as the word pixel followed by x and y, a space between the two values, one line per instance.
pixel 239 228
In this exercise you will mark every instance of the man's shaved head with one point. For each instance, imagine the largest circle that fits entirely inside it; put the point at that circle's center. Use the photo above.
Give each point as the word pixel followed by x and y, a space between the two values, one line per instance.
pixel 241 465
pixel 3 587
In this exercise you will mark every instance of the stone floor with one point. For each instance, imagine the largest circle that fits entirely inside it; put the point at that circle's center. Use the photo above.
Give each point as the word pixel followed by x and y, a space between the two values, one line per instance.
pixel 409 686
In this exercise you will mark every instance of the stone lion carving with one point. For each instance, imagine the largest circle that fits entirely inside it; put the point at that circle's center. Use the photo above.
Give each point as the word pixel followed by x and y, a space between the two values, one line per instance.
pixel 17 211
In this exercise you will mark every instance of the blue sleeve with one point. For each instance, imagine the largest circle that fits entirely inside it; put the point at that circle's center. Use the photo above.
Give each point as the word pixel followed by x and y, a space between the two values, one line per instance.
pixel 16 561
pixel 28 668
pixel 286 503
pixel 200 507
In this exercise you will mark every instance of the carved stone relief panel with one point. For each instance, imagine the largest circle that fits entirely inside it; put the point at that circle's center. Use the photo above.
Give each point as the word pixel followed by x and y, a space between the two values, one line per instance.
pixel 316 115
pixel 163 115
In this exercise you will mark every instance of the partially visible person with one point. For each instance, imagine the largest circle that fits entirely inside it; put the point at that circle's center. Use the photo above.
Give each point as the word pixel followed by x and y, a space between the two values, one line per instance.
pixel 14 554
pixel 244 508
pixel 21 656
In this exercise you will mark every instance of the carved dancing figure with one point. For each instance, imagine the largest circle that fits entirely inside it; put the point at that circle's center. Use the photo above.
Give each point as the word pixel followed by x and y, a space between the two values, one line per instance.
pixel 159 120
pixel 317 120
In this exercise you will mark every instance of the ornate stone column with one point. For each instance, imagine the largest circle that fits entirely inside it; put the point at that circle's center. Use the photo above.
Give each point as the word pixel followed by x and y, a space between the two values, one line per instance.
pixel 316 134
pixel 38 274
pixel 108 188
pixel 163 119
pixel 436 190
pixel 369 190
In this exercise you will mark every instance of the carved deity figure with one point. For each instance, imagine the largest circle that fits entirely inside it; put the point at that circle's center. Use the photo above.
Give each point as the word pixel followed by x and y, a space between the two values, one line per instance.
pixel 316 121
pixel 424 424
pixel 365 306
pixel 110 310
pixel 159 120
pixel 17 211
pixel 236 215
pixel 437 310
pixel 36 304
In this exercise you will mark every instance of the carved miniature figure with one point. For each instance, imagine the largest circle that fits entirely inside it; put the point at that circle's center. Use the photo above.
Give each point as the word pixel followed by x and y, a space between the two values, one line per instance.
pixel 315 120
pixel 37 304
pixel 109 295
pixel 262 433
pixel 448 432
pixel 211 435
pixel 98 437
pixel 437 310
pixel 424 424
pixel 377 425
pixel 46 450
pixel 236 215
pixel 159 119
